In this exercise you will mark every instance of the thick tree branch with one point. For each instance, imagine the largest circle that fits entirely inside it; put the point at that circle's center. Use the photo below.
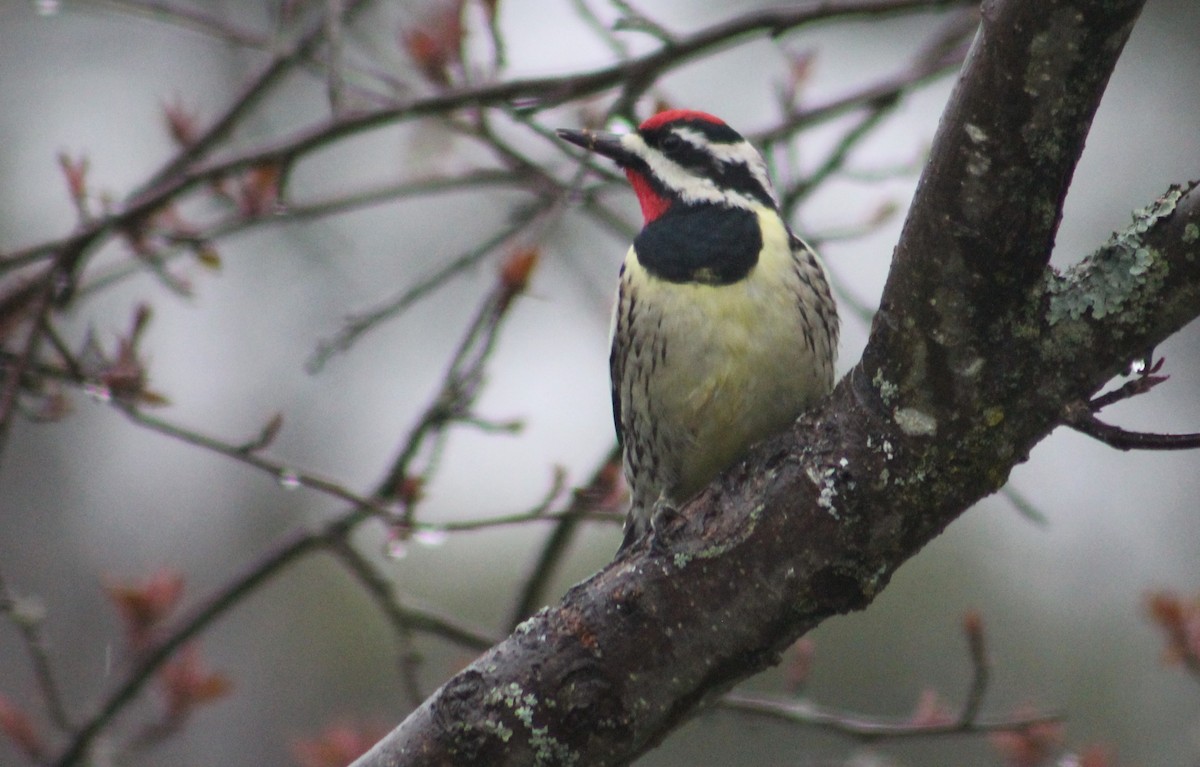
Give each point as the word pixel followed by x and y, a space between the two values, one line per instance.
pixel 975 351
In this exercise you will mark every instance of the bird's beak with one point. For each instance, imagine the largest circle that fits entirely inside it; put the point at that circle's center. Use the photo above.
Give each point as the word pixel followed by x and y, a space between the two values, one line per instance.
pixel 600 142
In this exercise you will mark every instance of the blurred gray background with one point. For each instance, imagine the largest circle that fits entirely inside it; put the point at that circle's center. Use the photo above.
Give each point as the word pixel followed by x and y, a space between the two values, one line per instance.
pixel 94 499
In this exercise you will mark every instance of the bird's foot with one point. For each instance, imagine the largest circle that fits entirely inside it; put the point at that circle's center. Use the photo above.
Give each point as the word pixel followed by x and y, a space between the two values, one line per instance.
pixel 663 513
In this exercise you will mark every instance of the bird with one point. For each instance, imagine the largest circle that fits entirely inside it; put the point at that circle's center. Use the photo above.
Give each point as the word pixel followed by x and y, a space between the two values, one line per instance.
pixel 724 327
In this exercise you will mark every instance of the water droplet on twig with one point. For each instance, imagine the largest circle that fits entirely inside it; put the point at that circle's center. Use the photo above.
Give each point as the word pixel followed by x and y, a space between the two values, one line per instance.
pixel 98 392
pixel 289 480
pixel 396 549
pixel 431 536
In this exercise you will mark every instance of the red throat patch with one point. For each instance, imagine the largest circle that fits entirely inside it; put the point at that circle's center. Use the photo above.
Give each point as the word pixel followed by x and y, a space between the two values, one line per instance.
pixel 653 204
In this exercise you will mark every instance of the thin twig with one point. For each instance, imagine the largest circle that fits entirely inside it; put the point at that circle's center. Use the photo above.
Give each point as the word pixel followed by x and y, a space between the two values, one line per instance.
pixel 359 324
pixel 944 52
pixel 1081 416
pixel 380 589
pixel 584 501
pixel 462 382
pixel 403 620
pixel 1023 505
pixel 188 18
pixel 335 85
pixel 185 242
pixel 283 473
pixel 36 317
pixel 1080 419
pixel 517 518
pixel 235 591
pixel 796 193
pixel 1132 388
pixel 27 618
pixel 882 91
pixel 868 728
pixel 183 174
pixel 270 76
pixel 452 403
pixel 284 553
pixel 980 669
pixel 593 22
pixel 873 728
pixel 413 619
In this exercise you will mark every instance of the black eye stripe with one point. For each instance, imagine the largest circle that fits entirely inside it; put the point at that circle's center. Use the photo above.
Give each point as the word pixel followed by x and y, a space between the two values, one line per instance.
pixel 738 178
pixel 693 158
pixel 734 175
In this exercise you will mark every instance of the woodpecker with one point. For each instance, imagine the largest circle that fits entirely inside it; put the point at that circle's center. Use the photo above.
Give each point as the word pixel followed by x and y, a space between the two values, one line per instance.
pixel 724 329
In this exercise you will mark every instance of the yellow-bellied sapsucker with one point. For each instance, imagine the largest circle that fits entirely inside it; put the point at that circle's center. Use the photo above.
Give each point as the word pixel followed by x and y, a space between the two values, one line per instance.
pixel 724 329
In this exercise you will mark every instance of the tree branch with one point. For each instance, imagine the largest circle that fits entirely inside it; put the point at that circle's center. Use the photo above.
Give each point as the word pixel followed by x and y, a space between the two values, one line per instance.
pixel 873 728
pixel 976 343
pixel 185 172
pixel 1083 421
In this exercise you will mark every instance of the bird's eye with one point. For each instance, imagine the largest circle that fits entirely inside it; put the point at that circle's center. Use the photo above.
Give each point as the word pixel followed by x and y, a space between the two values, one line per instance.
pixel 671 142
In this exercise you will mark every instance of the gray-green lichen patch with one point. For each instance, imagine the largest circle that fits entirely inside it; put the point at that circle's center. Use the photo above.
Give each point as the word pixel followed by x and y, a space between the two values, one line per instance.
pixel 914 422
pixel 548 750
pixel 825 478
pixel 887 389
pixel 532 622
pixel 1103 282
pixel 1191 233
pixel 978 162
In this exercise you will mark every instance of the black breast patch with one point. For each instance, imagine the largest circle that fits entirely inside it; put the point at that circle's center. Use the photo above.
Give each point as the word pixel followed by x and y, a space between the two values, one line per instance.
pixel 708 244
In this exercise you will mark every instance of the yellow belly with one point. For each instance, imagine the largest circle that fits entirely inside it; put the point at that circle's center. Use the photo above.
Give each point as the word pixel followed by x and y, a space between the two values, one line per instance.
pixel 717 368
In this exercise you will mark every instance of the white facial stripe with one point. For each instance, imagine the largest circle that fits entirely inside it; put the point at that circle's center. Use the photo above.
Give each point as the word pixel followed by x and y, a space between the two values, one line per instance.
pixel 693 137
pixel 693 188
pixel 741 153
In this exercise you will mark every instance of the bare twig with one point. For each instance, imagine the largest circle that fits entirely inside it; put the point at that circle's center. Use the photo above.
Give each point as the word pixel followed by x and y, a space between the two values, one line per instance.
pixel 796 193
pixel 27 616
pixel 189 18
pixel 1146 381
pixel 872 728
pixel 36 310
pixel 360 324
pixel 184 173
pixel 1080 418
pixel 283 473
pixel 585 500
pixel 286 552
pixel 300 212
pixel 453 402
pixel 461 386
pixel 335 85
pixel 980 668
pixel 251 94
pixel 236 589
pixel 401 619
pixel 1023 505
pixel 517 518
pixel 943 53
